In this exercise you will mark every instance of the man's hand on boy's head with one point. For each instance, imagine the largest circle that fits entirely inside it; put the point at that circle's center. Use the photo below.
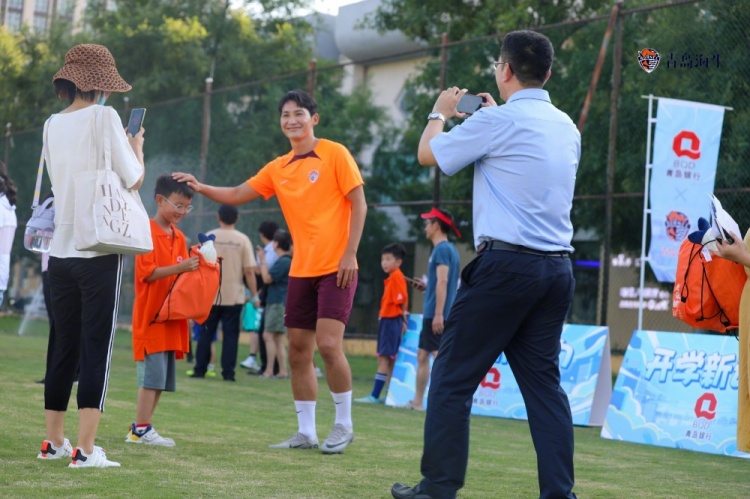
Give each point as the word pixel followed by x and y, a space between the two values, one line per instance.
pixel 190 179
pixel 190 264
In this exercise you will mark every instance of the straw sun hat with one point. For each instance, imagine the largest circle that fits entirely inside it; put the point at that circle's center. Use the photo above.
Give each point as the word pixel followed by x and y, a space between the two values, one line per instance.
pixel 92 67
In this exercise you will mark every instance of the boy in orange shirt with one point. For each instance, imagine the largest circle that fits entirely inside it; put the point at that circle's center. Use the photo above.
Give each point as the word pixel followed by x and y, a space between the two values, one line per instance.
pixel 391 320
pixel 157 345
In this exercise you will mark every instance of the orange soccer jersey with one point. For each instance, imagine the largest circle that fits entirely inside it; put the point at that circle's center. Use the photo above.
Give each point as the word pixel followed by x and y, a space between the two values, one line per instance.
pixel 395 298
pixel 169 249
pixel 312 193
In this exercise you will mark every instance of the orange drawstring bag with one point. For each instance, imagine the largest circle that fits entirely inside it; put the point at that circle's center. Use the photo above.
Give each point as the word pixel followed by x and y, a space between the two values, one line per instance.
pixel 192 294
pixel 707 293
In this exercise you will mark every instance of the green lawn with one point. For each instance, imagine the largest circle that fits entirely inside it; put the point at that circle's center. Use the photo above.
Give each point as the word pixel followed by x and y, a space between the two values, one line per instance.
pixel 223 430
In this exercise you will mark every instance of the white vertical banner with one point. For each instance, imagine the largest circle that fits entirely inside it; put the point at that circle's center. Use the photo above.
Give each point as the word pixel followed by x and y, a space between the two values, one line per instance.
pixel 686 151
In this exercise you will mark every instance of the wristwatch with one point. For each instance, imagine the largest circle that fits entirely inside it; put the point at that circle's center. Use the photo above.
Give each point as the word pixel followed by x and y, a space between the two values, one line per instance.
pixel 436 116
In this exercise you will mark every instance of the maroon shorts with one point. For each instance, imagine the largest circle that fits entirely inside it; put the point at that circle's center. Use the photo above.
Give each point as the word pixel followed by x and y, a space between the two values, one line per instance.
pixel 311 298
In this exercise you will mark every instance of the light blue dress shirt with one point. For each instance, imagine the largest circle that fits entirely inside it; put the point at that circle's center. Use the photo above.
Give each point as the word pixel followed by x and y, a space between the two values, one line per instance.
pixel 525 156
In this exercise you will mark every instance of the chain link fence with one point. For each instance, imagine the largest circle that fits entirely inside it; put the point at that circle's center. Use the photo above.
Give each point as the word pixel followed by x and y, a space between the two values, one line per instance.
pixel 700 60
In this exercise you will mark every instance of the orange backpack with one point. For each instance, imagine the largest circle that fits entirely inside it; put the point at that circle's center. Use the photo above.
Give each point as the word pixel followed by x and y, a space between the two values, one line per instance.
pixel 192 294
pixel 707 293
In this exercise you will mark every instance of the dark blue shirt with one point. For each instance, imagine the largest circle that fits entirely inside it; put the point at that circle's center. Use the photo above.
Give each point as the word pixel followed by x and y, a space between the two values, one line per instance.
pixel 445 253
pixel 280 274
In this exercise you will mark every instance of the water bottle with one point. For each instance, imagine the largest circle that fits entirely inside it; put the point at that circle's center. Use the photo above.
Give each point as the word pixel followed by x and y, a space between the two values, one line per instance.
pixel 37 240
pixel 40 228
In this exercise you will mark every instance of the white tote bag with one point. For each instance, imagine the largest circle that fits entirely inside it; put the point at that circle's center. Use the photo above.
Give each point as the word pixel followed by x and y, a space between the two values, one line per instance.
pixel 109 217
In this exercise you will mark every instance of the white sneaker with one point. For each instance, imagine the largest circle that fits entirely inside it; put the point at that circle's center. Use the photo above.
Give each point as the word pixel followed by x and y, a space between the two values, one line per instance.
pixel 148 438
pixel 338 440
pixel 298 441
pixel 49 451
pixel 250 363
pixel 97 459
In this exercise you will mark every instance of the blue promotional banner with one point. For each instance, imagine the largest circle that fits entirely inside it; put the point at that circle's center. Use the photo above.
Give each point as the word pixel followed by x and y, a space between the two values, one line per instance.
pixel 585 371
pixel 585 375
pixel 677 390
pixel 404 377
pixel 686 150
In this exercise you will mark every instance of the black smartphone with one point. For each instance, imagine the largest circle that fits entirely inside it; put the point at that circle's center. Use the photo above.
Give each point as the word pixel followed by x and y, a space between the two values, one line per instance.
pixel 469 103
pixel 415 282
pixel 136 120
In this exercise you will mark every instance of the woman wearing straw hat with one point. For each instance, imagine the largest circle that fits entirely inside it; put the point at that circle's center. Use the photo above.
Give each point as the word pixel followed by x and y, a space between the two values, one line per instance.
pixel 85 286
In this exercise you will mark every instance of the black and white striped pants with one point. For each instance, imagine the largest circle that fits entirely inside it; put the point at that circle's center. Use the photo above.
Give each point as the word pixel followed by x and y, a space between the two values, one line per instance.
pixel 85 295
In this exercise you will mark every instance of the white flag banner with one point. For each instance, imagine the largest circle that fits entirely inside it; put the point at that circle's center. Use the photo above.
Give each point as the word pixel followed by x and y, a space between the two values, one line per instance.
pixel 686 151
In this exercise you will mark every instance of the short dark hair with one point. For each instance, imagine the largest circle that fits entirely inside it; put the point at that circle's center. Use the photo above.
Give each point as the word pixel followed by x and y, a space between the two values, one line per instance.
pixel 166 185
pixel 268 229
pixel 228 214
pixel 444 227
pixel 66 88
pixel 283 239
pixel 396 249
pixel 303 99
pixel 529 54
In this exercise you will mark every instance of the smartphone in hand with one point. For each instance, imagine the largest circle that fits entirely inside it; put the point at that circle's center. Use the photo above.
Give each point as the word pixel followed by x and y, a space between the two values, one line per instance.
pixel 136 120
pixel 469 103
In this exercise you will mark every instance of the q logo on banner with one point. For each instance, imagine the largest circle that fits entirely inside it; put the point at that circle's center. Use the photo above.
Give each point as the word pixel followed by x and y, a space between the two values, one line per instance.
pixel 705 406
pixel 694 151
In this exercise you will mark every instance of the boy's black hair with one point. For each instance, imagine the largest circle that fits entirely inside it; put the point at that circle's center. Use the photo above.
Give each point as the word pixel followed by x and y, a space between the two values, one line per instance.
pixel 166 186
pixel 444 227
pixel 66 88
pixel 395 249
pixel 268 229
pixel 228 214
pixel 303 99
pixel 529 55
pixel 283 239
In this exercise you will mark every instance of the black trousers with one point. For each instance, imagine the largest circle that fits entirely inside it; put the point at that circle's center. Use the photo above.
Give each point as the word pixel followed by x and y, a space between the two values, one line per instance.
pixel 229 316
pixel 85 295
pixel 514 303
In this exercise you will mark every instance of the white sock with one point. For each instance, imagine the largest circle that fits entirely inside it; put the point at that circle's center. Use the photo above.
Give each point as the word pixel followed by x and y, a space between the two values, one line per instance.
pixel 343 403
pixel 306 418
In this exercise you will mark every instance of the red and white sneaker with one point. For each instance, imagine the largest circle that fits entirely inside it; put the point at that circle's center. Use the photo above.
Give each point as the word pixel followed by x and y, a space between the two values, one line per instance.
pixel 97 459
pixel 49 451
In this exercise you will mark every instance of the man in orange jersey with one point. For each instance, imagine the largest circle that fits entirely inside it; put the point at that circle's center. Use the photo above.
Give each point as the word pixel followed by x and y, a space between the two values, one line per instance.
pixel 320 190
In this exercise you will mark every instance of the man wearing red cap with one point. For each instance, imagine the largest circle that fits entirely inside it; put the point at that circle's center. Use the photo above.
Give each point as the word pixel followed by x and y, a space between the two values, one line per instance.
pixel 442 281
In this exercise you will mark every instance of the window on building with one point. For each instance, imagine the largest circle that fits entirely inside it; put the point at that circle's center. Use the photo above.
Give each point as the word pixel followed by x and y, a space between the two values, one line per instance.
pixel 13 20
pixel 15 4
pixel 40 23
pixel 41 6
pixel 65 7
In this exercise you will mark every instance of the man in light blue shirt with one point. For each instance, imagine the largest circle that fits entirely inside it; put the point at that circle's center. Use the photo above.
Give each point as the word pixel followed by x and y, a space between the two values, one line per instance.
pixel 515 294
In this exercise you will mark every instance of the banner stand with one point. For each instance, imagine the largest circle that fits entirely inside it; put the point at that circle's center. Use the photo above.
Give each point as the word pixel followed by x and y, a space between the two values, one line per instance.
pixel 648 212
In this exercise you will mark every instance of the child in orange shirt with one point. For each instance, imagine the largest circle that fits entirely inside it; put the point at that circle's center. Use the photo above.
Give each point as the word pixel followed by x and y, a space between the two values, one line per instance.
pixel 392 318
pixel 157 345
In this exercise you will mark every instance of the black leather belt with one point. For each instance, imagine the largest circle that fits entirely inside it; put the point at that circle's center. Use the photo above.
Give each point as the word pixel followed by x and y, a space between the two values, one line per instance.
pixel 495 245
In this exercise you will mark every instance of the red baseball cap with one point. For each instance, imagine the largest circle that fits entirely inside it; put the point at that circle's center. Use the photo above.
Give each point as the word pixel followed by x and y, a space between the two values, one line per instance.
pixel 436 213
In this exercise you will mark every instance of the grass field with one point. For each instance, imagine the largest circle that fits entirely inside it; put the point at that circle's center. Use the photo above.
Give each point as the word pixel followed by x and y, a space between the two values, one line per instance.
pixel 223 431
